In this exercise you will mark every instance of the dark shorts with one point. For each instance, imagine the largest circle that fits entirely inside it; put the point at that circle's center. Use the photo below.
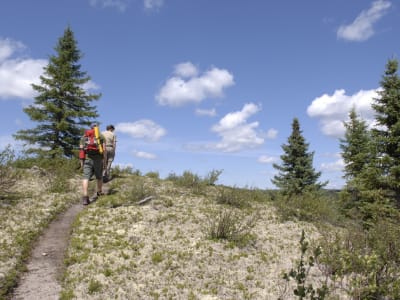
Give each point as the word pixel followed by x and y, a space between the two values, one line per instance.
pixel 93 166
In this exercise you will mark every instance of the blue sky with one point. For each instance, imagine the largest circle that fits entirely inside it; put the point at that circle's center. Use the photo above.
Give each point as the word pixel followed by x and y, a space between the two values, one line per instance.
pixel 208 85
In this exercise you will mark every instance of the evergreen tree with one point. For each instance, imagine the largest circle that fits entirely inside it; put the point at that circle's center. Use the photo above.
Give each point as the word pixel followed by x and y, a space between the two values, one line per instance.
pixel 296 173
pixel 355 146
pixel 62 107
pixel 387 134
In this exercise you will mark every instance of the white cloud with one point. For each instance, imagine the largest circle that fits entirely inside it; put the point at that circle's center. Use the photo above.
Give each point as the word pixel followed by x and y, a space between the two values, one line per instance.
pixel 333 110
pixel 143 129
pixel 206 112
pixel 187 87
pixel 236 134
pixel 264 159
pixel 336 166
pixel 186 70
pixel 17 74
pixel 362 27
pixel 145 155
pixel 120 5
pixel 153 4
pixel 272 133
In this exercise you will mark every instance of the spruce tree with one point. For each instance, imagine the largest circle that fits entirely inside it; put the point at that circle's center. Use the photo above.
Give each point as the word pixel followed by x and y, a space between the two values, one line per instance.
pixel 387 134
pixel 355 146
pixel 296 173
pixel 62 107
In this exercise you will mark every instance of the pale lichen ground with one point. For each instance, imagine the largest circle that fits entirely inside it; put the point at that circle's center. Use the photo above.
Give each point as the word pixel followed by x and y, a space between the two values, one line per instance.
pixel 22 220
pixel 161 250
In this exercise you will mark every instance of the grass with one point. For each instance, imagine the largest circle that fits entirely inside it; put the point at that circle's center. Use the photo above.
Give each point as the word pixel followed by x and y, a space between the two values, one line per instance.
pixel 193 239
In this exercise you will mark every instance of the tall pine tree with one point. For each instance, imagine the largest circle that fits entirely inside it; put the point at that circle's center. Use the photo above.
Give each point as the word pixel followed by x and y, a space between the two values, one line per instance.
pixel 63 107
pixel 387 135
pixel 296 173
pixel 355 146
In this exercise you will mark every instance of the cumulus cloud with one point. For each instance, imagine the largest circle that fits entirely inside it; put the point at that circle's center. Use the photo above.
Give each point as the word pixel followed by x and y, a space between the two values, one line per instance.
pixel 145 155
pixel 153 4
pixel 272 133
pixel 142 129
pixel 17 74
pixel 120 5
pixel 333 110
pixel 336 166
pixel 206 112
pixel 362 27
pixel 187 86
pixel 236 134
pixel 264 159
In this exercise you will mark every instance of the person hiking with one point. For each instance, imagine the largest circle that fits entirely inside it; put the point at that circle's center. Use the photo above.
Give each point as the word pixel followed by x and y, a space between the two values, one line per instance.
pixel 92 151
pixel 111 144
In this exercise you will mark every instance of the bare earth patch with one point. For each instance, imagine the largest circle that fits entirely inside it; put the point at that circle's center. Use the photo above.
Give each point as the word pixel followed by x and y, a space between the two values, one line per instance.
pixel 46 262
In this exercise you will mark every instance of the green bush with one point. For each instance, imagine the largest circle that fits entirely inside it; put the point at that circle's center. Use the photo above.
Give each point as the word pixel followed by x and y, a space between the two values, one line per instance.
pixel 304 289
pixel 232 226
pixel 310 207
pixel 8 173
pixel 232 197
pixel 367 260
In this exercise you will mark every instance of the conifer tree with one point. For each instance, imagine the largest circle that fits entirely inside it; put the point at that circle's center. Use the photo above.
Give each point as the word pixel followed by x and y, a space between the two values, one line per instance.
pixel 355 146
pixel 387 134
pixel 62 107
pixel 296 173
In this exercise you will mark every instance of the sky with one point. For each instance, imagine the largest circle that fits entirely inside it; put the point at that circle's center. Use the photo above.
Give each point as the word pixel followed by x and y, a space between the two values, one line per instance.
pixel 202 85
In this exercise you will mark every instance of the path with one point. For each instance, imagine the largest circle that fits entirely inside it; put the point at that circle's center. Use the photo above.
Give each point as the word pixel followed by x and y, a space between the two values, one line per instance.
pixel 45 265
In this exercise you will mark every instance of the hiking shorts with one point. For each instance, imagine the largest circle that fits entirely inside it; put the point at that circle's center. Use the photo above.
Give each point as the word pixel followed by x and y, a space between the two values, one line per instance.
pixel 93 166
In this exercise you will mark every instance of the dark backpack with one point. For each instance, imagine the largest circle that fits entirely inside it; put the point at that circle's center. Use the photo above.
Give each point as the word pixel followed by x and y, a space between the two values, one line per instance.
pixel 90 146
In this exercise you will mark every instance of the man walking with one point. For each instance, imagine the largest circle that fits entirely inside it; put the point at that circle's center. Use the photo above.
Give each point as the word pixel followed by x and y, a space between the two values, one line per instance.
pixel 110 146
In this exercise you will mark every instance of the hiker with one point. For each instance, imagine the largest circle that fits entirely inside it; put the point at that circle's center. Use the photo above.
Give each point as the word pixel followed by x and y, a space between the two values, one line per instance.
pixel 111 143
pixel 91 153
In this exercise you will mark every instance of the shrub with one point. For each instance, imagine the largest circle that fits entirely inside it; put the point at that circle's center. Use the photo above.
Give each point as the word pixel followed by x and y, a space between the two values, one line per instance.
pixel 301 272
pixel 212 177
pixel 8 174
pixel 310 207
pixel 231 197
pixel 232 226
pixel 367 260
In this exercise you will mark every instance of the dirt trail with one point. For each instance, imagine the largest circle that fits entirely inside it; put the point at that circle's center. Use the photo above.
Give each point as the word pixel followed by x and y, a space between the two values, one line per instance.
pixel 45 265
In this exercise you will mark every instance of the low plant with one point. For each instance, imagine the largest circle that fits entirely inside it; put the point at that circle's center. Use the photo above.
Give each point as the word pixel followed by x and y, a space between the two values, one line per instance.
pixel 8 174
pixel 309 207
pixel 300 274
pixel 228 224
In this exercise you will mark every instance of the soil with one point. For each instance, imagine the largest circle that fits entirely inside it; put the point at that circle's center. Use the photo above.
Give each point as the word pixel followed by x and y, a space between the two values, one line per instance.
pixel 45 265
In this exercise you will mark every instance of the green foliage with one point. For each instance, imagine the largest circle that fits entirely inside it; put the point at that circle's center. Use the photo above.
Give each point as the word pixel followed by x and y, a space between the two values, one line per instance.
pixel 368 261
pixel 296 173
pixel 232 197
pixel 8 173
pixel 120 171
pixel 58 170
pixel 212 177
pixel 94 286
pixel 193 181
pixel 301 272
pixel 310 207
pixel 62 108
pixel 231 225
pixel 355 146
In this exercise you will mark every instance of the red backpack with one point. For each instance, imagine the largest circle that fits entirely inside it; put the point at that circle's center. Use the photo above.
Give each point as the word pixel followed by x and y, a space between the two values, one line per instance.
pixel 90 146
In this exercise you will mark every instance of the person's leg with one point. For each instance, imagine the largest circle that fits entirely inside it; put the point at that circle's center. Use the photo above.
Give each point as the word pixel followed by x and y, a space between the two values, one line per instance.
pixel 98 172
pixel 87 173
pixel 85 186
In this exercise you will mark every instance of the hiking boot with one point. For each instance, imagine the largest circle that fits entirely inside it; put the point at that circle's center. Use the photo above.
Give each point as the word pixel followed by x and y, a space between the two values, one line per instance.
pixel 99 194
pixel 85 200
